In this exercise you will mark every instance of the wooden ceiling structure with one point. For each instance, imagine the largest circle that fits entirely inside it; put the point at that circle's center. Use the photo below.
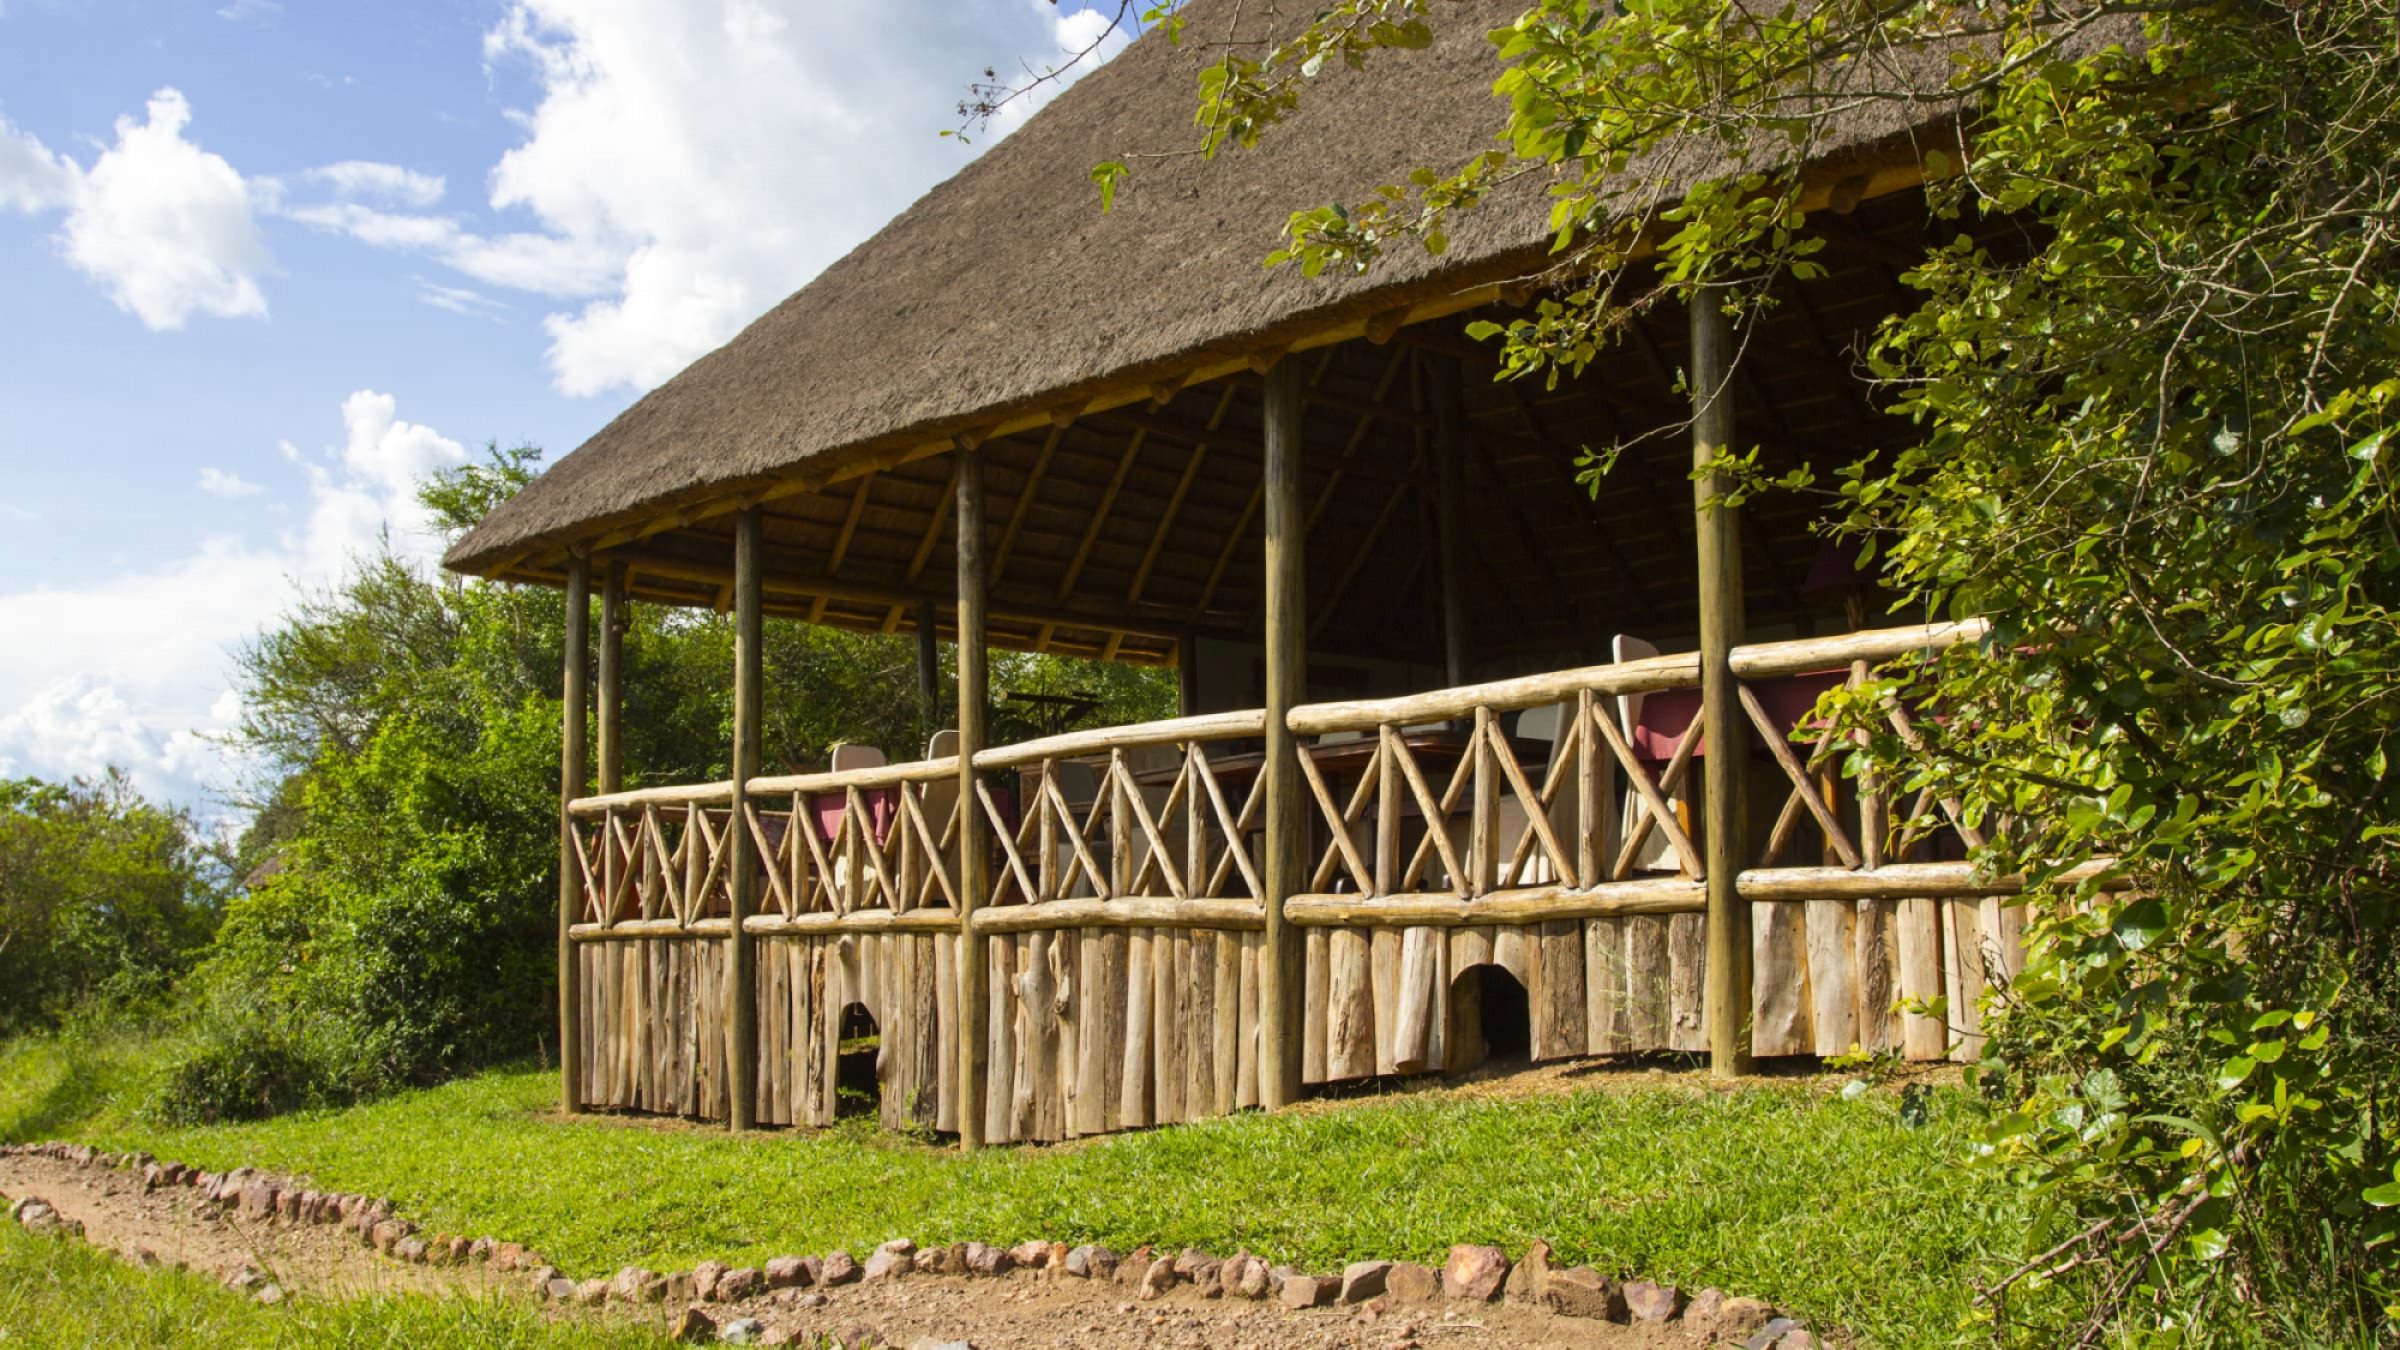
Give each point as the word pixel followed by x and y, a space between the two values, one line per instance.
pixel 1118 533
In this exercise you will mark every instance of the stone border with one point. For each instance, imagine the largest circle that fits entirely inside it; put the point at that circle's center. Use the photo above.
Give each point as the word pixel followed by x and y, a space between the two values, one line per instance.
pixel 1473 1274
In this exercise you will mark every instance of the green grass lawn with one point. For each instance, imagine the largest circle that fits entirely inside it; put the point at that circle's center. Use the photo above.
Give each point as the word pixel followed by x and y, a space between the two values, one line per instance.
pixel 59 1292
pixel 1782 1190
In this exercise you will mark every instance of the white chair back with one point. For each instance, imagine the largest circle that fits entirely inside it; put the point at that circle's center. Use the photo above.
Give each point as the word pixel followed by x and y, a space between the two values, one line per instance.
pixel 848 757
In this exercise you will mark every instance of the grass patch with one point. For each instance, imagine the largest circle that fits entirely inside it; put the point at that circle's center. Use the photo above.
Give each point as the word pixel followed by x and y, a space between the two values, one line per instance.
pixel 1834 1208
pixel 60 1292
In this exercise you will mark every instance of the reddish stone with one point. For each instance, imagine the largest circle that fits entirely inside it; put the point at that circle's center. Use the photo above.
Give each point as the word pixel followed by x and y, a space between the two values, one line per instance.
pixel 1475 1273
pixel 1308 1291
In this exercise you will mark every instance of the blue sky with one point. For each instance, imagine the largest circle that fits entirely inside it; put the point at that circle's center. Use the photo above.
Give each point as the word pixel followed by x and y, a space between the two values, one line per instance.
pixel 261 264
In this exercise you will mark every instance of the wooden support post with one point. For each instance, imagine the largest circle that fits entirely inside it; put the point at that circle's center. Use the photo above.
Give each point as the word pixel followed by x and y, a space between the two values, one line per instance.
pixel 741 974
pixel 929 662
pixel 1279 974
pixel 571 698
pixel 974 849
pixel 1727 996
pixel 1449 506
pixel 1187 675
pixel 611 703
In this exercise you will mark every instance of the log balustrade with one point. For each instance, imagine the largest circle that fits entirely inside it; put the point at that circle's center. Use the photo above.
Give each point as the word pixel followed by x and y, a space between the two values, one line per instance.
pixel 1505 829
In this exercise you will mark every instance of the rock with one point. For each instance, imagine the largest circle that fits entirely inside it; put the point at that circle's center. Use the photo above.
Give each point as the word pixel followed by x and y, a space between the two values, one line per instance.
pixel 1158 1279
pixel 983 1259
pixel 153 1177
pixel 837 1268
pixel 1363 1280
pixel 508 1256
pixel 1803 1339
pixel 790 1272
pixel 559 1290
pixel 1253 1280
pixel 695 1325
pixel 1583 1292
pixel 1475 1273
pixel 1649 1302
pixel 461 1251
pixel 288 1204
pixel 1134 1266
pixel 1525 1281
pixel 811 1299
pixel 858 1336
pixel 1033 1254
pixel 741 1331
pixel 244 1278
pixel 933 1261
pixel 739 1283
pixel 592 1292
pixel 929 1343
pixel 541 1277
pixel 1408 1282
pixel 258 1200
pixel 269 1293
pixel 679 1287
pixel 704 1279
pixel 1770 1336
pixel 1715 1316
pixel 1197 1266
pixel 1091 1263
pixel 636 1285
pixel 1307 1291
pixel 387 1234
pixel 411 1250
pixel 890 1262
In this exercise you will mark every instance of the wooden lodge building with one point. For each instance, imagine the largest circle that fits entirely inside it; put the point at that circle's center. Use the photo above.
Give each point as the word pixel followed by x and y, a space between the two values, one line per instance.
pixel 1471 764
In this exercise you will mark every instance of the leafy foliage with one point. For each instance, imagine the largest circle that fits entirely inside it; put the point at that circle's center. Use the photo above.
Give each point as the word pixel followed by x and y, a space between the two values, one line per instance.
pixel 409 726
pixel 101 893
pixel 2156 446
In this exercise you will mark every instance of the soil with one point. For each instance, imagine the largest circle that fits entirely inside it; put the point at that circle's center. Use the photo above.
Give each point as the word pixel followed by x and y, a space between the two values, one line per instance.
pixel 172 1226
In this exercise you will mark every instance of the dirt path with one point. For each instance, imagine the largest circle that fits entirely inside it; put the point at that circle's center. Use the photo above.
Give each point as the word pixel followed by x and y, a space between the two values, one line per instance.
pixel 175 1225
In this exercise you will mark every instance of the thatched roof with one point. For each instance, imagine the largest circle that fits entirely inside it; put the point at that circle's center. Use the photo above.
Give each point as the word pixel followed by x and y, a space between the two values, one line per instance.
pixel 1004 293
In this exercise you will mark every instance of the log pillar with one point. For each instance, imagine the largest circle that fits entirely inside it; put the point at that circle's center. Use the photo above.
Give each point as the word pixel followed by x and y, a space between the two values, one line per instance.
pixel 974 838
pixel 1286 873
pixel 1449 507
pixel 929 662
pixel 571 697
pixel 1187 675
pixel 610 708
pixel 1727 996
pixel 743 863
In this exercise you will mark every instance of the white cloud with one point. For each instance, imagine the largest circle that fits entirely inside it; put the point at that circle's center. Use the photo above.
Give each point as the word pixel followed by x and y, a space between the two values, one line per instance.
pixel 135 670
pixel 718 153
pixel 459 300
pixel 355 178
pixel 218 483
pixel 165 226
pixel 242 10
pixel 31 178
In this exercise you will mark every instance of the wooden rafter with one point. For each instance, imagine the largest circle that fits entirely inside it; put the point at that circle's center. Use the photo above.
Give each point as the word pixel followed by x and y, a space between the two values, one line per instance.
pixel 1183 485
pixel 1626 571
pixel 1016 512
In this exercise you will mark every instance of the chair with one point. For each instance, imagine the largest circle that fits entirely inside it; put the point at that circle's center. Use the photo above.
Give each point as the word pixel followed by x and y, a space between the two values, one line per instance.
pixel 1541 724
pixel 940 798
pixel 1657 854
pixel 847 758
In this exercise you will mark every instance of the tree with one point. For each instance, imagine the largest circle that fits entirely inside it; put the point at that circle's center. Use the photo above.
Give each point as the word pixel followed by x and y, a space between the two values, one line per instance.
pixel 100 892
pixel 2157 450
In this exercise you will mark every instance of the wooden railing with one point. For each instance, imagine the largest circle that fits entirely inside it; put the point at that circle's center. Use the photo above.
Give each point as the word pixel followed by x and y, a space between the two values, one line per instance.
pixel 654 860
pixel 892 859
pixel 1158 823
pixel 1164 835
